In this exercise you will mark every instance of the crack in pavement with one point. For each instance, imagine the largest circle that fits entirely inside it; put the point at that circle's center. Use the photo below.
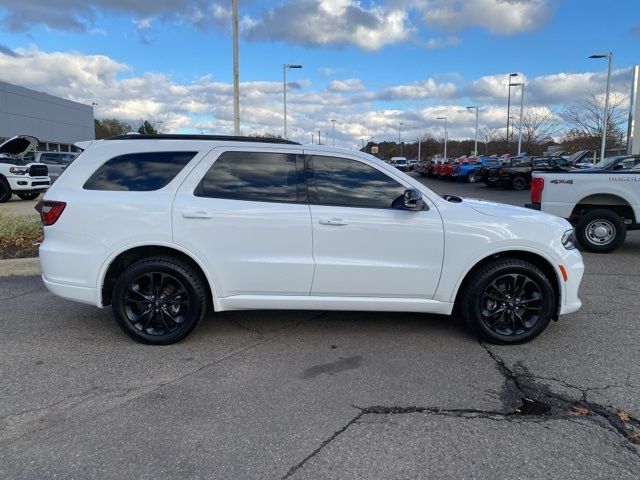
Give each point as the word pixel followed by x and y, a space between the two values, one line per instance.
pixel 523 387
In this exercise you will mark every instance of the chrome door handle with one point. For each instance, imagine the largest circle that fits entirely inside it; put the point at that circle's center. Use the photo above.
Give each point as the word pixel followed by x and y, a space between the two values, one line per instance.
pixel 332 221
pixel 197 214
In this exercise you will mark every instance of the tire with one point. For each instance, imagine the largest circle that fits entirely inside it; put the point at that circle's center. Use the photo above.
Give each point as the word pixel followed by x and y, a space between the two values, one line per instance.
pixel 5 191
pixel 28 196
pixel 148 284
pixel 471 178
pixel 601 231
pixel 529 303
pixel 519 183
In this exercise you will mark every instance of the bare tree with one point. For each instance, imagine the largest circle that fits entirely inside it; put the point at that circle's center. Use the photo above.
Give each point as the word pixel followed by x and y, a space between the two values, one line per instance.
pixel 539 125
pixel 586 120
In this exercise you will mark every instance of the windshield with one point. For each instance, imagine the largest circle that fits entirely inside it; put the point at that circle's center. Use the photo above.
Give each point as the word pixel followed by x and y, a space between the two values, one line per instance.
pixel 401 162
pixel 608 162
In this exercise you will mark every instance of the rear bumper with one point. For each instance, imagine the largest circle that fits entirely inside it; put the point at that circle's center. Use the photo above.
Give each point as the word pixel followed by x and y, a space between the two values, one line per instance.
pixel 72 292
pixel 532 206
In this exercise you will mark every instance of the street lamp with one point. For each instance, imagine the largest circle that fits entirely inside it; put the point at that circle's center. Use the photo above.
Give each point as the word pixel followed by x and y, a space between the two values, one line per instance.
pixel 521 85
pixel 511 75
pixel 609 57
pixel 445 136
pixel 399 141
pixel 285 66
pixel 475 147
pixel 333 131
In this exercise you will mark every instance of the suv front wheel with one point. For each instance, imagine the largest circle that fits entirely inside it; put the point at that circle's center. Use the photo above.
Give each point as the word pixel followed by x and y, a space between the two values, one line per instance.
pixel 508 301
pixel 159 300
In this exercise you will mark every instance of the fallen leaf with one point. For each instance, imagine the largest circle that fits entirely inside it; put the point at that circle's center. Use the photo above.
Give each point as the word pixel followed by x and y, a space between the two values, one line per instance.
pixel 634 437
pixel 580 410
pixel 624 416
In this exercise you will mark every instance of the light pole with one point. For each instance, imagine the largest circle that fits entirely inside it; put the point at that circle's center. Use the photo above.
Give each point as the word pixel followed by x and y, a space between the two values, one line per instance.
pixel 511 75
pixel 285 66
pixel 445 136
pixel 236 81
pixel 419 142
pixel 400 141
pixel 521 85
pixel 475 147
pixel 609 57
pixel 333 131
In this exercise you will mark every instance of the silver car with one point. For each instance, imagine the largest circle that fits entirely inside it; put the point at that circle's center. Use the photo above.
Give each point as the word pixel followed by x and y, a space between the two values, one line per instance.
pixel 56 161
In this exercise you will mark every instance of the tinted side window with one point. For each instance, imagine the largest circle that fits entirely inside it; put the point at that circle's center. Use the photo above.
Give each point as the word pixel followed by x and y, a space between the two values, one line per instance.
pixel 139 172
pixel 266 177
pixel 50 159
pixel 340 181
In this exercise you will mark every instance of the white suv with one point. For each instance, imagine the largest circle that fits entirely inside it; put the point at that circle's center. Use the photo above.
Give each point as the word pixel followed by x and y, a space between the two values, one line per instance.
pixel 166 227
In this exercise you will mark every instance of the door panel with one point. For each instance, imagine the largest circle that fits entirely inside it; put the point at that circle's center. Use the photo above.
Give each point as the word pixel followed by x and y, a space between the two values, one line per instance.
pixel 249 247
pixel 376 252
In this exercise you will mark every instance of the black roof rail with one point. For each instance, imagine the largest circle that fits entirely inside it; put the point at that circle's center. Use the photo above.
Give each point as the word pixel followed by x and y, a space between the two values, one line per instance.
pixel 220 138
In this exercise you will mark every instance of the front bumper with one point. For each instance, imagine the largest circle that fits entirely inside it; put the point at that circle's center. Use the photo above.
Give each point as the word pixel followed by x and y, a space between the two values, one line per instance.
pixel 20 183
pixel 574 267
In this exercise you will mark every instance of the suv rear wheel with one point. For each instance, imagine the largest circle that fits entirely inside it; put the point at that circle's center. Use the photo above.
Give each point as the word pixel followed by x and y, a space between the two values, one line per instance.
pixel 601 231
pixel 519 183
pixel 508 301
pixel 159 300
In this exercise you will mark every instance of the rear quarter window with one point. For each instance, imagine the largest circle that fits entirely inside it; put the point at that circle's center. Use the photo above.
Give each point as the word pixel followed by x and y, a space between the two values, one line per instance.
pixel 138 172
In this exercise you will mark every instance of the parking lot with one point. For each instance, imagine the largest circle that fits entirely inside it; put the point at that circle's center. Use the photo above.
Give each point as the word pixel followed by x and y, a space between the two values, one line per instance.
pixel 287 394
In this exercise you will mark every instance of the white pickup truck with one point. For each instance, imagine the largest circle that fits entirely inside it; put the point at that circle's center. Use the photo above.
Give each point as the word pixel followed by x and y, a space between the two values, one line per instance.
pixel 601 202
pixel 26 179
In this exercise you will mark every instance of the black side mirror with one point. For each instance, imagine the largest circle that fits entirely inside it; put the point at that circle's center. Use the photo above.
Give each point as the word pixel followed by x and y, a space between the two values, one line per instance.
pixel 412 200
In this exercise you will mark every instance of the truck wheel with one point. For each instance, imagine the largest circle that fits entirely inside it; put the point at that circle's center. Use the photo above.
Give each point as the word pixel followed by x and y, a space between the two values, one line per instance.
pixel 28 196
pixel 601 231
pixel 5 191
pixel 507 301
pixel 519 183
pixel 471 178
pixel 159 300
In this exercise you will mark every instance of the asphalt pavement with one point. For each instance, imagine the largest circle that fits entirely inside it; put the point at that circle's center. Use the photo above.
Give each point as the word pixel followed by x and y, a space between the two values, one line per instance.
pixel 315 395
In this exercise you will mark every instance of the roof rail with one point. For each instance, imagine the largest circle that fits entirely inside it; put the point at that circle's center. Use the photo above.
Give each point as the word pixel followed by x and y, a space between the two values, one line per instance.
pixel 220 138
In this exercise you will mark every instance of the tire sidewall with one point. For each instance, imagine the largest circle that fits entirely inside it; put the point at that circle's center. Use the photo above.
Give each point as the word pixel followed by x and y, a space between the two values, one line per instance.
pixel 5 191
pixel 195 292
pixel 474 317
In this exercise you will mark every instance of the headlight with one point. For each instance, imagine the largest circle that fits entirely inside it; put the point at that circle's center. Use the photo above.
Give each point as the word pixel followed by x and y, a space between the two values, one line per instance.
pixel 19 170
pixel 569 239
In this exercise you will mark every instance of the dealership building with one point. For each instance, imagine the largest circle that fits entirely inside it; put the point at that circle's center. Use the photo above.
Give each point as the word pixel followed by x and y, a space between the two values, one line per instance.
pixel 58 123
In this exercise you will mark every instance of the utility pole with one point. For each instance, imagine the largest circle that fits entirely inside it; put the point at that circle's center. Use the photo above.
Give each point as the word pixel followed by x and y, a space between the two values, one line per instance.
pixel 511 75
pixel 236 77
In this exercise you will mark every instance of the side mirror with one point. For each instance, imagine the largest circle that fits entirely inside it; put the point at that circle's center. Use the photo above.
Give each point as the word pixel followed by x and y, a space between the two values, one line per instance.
pixel 412 200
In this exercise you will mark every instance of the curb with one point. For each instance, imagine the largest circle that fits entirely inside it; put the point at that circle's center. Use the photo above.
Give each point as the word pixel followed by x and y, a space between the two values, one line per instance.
pixel 20 267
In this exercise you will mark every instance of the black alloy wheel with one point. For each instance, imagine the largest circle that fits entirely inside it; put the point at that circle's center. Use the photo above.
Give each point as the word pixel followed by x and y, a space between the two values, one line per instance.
pixel 519 183
pixel 159 300
pixel 508 301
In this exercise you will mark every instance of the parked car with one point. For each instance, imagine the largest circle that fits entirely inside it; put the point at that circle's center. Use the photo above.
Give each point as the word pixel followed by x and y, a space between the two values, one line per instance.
pixel 465 171
pixel 411 164
pixel 167 227
pixel 56 161
pixel 602 202
pixel 26 179
pixel 400 163
pixel 481 172
pixel 515 174
pixel 422 168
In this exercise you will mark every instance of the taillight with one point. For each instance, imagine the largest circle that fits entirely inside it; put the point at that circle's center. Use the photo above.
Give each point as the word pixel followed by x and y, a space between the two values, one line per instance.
pixel 50 211
pixel 537 185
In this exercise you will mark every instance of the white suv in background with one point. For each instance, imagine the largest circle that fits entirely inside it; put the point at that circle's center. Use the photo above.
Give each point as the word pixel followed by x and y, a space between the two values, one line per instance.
pixel 164 228
pixel 19 176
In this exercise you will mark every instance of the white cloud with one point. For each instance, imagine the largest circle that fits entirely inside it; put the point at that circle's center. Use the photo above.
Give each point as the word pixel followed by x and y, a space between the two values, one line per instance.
pixel 331 22
pixel 500 17
pixel 348 85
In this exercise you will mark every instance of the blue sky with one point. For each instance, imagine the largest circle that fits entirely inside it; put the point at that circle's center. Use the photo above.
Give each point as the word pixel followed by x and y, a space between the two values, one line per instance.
pixel 371 65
